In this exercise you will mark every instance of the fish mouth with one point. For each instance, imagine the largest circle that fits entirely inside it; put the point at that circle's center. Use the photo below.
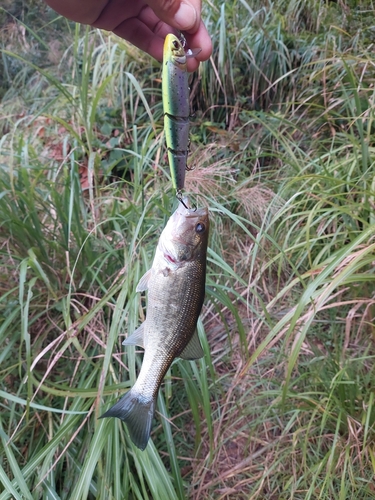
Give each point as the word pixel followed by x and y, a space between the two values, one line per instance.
pixel 196 212
pixel 180 236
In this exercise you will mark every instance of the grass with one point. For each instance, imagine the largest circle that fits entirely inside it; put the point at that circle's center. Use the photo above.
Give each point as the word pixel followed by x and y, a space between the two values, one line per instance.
pixel 281 406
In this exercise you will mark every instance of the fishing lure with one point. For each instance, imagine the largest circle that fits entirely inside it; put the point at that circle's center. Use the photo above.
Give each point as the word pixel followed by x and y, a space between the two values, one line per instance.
pixel 175 90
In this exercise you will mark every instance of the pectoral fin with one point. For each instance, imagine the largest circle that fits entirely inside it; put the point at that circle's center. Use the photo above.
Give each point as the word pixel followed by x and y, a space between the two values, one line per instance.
pixel 143 282
pixel 136 338
pixel 194 349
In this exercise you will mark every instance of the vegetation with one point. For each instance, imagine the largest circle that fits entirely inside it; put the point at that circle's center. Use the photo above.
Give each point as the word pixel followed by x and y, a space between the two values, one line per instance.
pixel 282 406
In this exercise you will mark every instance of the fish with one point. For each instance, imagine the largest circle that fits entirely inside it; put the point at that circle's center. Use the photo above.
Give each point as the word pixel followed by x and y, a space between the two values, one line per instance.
pixel 176 287
pixel 176 107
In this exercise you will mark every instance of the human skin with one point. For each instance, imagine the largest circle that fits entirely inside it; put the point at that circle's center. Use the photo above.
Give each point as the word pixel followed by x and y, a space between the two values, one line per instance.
pixel 143 23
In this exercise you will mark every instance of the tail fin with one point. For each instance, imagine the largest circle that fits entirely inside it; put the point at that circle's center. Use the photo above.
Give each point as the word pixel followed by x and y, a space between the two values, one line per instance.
pixel 137 413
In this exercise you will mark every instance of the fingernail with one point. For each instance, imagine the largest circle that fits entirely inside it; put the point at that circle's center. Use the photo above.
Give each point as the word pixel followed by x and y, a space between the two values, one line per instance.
pixel 186 16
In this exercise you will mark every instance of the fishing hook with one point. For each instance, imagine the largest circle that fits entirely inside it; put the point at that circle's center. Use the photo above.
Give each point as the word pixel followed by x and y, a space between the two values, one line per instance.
pixel 182 40
pixel 188 52
pixel 181 200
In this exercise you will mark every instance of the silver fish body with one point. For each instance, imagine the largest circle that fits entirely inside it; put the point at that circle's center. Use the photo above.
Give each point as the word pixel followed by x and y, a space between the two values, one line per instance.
pixel 176 287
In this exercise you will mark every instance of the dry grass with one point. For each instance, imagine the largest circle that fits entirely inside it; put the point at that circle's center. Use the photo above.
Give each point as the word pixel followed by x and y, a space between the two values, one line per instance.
pixel 282 404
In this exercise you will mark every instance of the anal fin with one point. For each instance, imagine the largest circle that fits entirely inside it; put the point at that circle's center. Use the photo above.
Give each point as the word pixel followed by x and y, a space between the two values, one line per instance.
pixel 194 348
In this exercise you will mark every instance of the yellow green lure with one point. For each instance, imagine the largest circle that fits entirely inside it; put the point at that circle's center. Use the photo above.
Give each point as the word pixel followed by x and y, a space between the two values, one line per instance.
pixel 176 107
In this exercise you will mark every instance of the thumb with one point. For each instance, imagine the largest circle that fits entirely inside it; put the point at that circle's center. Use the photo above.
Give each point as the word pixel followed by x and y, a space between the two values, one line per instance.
pixel 183 15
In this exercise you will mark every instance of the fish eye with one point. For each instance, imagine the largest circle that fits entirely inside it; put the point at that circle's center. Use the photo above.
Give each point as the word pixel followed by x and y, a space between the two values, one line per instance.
pixel 200 228
pixel 176 45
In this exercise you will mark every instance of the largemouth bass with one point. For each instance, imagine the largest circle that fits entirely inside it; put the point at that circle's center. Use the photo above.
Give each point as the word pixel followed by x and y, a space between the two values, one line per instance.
pixel 175 90
pixel 176 286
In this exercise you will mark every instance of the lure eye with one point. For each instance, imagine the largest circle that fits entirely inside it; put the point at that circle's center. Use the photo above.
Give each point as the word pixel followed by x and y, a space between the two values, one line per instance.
pixel 200 228
pixel 176 45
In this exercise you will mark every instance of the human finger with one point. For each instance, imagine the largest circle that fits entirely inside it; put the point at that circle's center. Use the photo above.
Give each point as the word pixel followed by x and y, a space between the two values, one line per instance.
pixel 184 15
pixel 199 40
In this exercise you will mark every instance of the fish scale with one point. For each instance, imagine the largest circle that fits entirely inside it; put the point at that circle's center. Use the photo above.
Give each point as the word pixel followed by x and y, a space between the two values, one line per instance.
pixel 178 327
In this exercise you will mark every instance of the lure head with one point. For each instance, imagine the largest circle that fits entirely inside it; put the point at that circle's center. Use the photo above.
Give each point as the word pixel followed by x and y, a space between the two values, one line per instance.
pixel 174 51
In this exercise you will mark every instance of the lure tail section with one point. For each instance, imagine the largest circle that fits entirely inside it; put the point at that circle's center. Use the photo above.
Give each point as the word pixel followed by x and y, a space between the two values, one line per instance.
pixel 137 413
pixel 177 138
pixel 177 163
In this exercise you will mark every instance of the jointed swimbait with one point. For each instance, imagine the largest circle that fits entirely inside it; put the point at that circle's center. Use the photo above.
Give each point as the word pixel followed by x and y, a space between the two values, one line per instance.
pixel 175 91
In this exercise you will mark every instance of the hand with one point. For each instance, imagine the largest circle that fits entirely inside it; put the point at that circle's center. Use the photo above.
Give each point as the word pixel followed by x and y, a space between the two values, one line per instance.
pixel 144 23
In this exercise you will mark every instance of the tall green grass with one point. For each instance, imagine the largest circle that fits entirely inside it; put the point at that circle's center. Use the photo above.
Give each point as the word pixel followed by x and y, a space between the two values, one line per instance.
pixel 282 405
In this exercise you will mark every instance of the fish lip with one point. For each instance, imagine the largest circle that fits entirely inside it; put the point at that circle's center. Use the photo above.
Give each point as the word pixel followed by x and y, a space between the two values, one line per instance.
pixel 190 213
pixel 176 232
pixel 197 213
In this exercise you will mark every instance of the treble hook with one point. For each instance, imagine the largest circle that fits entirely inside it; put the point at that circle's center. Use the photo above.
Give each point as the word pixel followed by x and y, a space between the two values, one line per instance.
pixel 181 200
pixel 182 39
pixel 188 52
